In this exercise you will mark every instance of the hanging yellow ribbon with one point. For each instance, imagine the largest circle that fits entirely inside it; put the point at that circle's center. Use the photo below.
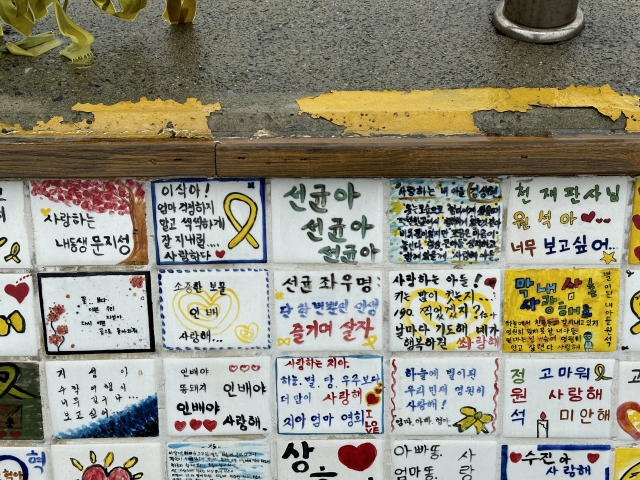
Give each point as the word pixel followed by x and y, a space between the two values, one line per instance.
pixel 473 418
pixel 18 15
pixel 130 8
pixel 15 320
pixel 81 40
pixel 9 375
pixel 180 11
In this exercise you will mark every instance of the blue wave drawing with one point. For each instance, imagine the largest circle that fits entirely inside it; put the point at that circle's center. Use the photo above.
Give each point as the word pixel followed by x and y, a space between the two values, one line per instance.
pixel 139 420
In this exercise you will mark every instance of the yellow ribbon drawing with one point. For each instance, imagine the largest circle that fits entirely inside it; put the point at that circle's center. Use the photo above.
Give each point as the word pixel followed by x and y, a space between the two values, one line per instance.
pixel 473 418
pixel 371 342
pixel 599 371
pixel 9 374
pixel 284 341
pixel 15 250
pixel 243 231
pixel 15 320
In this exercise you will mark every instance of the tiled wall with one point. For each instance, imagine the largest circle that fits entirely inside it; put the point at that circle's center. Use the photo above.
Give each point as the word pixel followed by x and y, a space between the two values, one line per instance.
pixel 320 328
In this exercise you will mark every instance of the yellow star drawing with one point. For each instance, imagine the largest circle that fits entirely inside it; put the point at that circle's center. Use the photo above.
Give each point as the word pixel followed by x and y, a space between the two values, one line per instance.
pixel 608 257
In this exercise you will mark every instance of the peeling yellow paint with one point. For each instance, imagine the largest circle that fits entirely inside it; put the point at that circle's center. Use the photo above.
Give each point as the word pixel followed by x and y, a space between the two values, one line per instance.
pixel 143 119
pixel 450 112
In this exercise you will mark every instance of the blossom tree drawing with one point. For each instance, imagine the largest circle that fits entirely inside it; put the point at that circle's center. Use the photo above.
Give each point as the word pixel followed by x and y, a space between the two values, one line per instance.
pixel 121 197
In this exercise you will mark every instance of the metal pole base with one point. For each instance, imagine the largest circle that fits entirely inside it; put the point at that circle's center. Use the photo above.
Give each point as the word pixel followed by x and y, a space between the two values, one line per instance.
pixel 537 35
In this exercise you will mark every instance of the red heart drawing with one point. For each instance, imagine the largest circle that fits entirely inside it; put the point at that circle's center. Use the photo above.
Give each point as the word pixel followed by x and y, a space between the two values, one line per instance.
pixel 593 457
pixel 490 282
pixel 2 433
pixel 179 425
pixel 622 415
pixel 210 425
pixel 588 217
pixel 195 424
pixel 606 220
pixel 598 220
pixel 378 390
pixel 636 221
pixel 255 368
pixel 244 368
pixel 19 291
pixel 357 458
pixel 95 472
pixel 515 457
pixel 233 368
pixel 16 434
pixel 372 399
pixel 636 252
pixel 220 253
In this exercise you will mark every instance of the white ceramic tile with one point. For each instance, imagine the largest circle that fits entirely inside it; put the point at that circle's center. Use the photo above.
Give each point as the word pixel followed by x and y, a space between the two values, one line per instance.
pixel 533 462
pixel 205 461
pixel 444 459
pixel 103 398
pixel 14 240
pixel 96 312
pixel 89 222
pixel 444 396
pixel 557 398
pixel 445 310
pixel 20 404
pixel 218 396
pixel 117 461
pixel 22 463
pixel 337 459
pixel 628 408
pixel 630 329
pixel 570 220
pixel 445 220
pixel 327 220
pixel 18 334
pixel 561 310
pixel 329 310
pixel 214 309
pixel 209 221
pixel 330 395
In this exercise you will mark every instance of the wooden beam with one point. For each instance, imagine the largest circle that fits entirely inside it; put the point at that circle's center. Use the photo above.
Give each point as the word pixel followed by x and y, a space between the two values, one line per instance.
pixel 107 159
pixel 411 157
pixel 322 157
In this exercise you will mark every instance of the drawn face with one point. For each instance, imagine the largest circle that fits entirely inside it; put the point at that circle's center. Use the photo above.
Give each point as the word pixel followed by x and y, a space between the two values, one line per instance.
pixel 588 336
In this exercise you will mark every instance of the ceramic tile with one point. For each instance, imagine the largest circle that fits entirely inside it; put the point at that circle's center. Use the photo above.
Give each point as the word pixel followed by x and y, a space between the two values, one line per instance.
pixel 96 312
pixel 557 311
pixel 18 335
pixel 20 407
pixel 89 222
pixel 626 463
pixel 126 461
pixel 103 398
pixel 532 462
pixel 634 226
pixel 572 220
pixel 445 310
pixel 337 459
pixel 330 395
pixel 14 242
pixel 218 396
pixel 209 221
pixel 444 396
pixel 444 459
pixel 557 398
pixel 214 309
pixel 628 409
pixel 25 463
pixel 630 329
pixel 329 310
pixel 208 461
pixel 445 220
pixel 327 220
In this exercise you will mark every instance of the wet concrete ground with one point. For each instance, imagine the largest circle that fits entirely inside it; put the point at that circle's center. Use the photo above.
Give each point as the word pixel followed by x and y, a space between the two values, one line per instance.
pixel 257 57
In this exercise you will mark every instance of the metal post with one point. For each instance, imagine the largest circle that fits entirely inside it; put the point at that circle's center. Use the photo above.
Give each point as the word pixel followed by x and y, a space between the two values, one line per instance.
pixel 539 21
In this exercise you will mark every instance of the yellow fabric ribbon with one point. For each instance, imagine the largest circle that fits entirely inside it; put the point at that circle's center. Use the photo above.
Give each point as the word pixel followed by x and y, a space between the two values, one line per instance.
pixel 180 11
pixel 15 320
pixel 81 40
pixel 130 8
pixel 473 418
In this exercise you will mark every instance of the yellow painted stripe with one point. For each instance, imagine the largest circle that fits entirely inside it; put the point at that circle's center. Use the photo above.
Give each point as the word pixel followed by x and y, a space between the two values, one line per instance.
pixel 143 119
pixel 450 112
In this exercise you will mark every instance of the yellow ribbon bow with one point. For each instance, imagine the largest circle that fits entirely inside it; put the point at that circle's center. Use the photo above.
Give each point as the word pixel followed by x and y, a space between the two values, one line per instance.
pixel 15 320
pixel 474 418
